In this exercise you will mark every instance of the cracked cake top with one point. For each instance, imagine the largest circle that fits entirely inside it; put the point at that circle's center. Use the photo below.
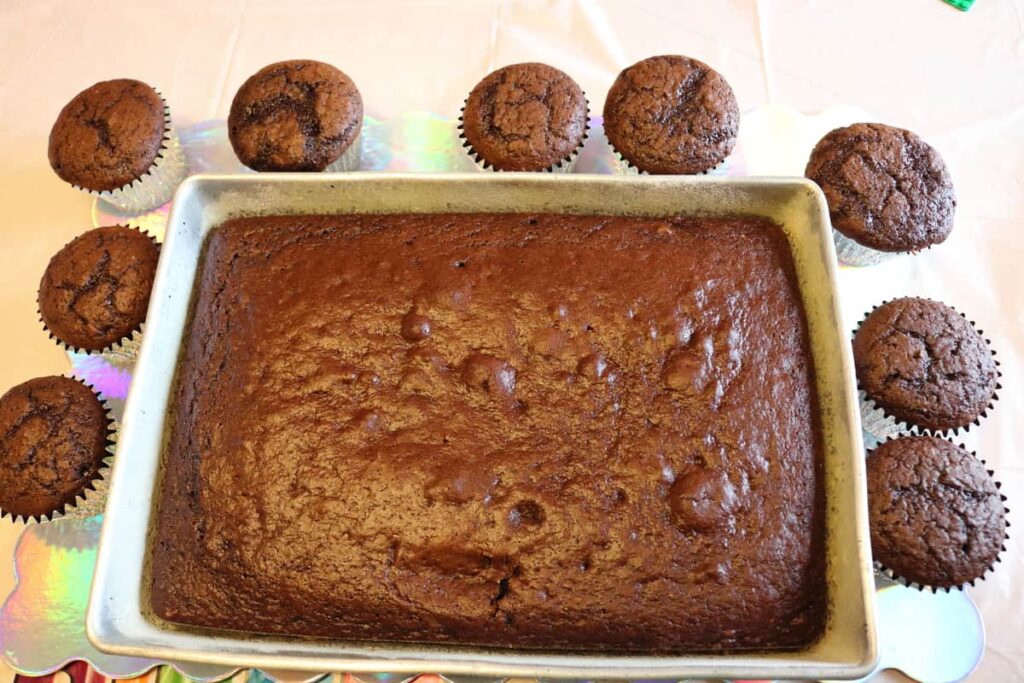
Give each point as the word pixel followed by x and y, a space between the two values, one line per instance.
pixel 924 363
pixel 298 115
pixel 95 290
pixel 525 117
pixel 671 115
pixel 109 135
pixel 886 188
pixel 53 438
pixel 937 518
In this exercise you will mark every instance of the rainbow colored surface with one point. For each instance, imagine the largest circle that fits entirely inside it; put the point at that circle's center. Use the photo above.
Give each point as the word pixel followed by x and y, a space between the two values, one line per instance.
pixel 80 672
pixel 42 621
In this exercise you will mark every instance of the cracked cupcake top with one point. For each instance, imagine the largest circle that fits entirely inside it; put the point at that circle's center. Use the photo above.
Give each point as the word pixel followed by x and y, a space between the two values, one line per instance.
pixel 53 438
pixel 924 363
pixel 95 290
pixel 298 115
pixel 937 518
pixel 886 188
pixel 108 136
pixel 525 117
pixel 671 114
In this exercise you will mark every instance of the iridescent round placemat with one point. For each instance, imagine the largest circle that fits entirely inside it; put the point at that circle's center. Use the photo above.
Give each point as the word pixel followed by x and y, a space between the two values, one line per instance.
pixel 42 622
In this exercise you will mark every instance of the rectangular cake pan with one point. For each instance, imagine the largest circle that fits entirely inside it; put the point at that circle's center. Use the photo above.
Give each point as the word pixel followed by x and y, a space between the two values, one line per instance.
pixel 118 619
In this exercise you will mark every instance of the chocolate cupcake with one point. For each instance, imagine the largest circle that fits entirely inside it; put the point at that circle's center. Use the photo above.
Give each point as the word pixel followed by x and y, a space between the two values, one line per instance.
pixel 115 140
pixel 937 517
pixel 922 363
pixel 888 191
pixel 54 436
pixel 95 291
pixel 525 117
pixel 298 115
pixel 671 114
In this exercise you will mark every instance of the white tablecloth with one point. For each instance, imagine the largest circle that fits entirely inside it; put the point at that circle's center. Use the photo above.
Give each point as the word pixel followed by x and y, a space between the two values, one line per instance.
pixel 955 78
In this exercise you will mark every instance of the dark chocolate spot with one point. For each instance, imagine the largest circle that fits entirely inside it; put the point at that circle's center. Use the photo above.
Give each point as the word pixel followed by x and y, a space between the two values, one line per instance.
pixel 526 513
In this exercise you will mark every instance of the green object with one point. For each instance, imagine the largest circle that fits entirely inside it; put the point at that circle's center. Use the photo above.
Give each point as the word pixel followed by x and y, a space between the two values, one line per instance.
pixel 962 5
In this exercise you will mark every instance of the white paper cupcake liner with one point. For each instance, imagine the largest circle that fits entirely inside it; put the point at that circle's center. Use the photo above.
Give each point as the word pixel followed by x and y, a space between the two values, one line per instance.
pixel 350 159
pixel 852 253
pixel 877 423
pixel 155 187
pixel 93 500
pixel 564 166
pixel 622 166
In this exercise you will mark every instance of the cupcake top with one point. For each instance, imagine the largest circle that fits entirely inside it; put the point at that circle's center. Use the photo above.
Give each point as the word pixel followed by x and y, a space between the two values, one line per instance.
pixel 109 135
pixel 887 189
pixel 525 117
pixel 937 518
pixel 298 115
pixel 924 364
pixel 671 114
pixel 95 290
pixel 53 438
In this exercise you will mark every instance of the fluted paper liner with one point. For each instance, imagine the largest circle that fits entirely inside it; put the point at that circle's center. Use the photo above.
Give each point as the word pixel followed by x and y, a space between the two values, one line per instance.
pixel 891 574
pixel 156 186
pixel 877 422
pixel 565 165
pixel 91 500
pixel 126 349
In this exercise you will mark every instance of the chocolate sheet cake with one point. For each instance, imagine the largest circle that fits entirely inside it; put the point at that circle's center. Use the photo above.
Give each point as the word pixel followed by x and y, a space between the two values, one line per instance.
pixel 533 431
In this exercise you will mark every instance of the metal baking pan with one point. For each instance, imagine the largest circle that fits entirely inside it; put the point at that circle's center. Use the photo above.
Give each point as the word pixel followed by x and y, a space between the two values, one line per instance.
pixel 118 620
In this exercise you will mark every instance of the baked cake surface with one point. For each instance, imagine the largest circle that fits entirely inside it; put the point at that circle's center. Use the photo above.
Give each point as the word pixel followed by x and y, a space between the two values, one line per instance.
pixel 561 432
